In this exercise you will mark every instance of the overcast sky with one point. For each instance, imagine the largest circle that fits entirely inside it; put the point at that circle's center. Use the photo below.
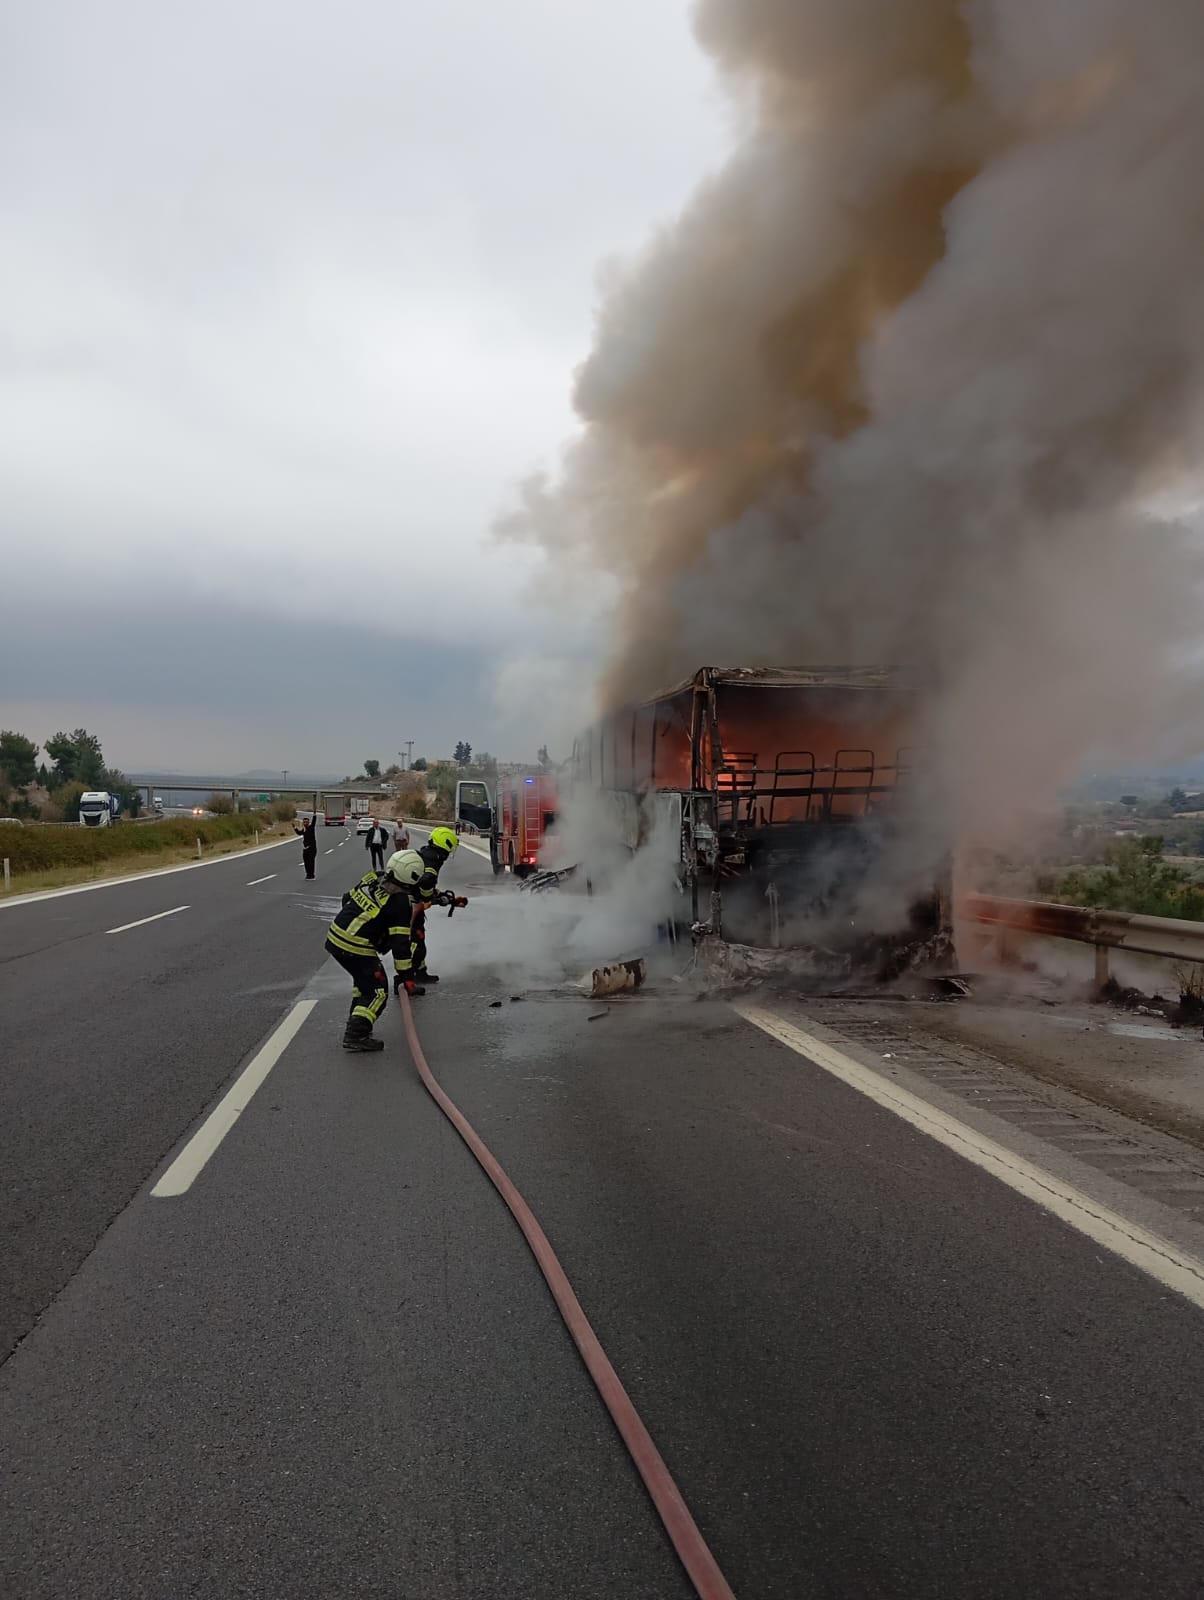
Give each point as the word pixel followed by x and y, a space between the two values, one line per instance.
pixel 290 297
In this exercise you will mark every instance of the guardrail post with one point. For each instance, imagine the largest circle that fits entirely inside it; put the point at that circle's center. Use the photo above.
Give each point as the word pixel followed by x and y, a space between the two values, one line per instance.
pixel 8 877
pixel 1102 973
pixel 198 847
pixel 257 836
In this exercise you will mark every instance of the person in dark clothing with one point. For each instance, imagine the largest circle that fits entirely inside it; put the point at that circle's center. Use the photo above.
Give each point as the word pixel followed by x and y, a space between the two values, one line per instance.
pixel 308 832
pixel 377 839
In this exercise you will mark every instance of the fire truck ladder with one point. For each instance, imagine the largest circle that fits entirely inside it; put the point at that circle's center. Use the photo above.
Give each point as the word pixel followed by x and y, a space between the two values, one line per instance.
pixel 532 820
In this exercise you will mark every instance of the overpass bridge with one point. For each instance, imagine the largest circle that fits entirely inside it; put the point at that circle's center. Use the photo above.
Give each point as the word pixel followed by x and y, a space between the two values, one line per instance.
pixel 246 788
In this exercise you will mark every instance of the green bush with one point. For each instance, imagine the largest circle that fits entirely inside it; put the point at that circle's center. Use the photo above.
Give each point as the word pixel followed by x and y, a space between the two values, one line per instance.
pixel 1135 878
pixel 66 797
pixel 222 805
pixel 39 849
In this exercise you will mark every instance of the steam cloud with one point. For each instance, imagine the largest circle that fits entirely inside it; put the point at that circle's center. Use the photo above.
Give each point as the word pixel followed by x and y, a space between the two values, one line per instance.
pixel 905 379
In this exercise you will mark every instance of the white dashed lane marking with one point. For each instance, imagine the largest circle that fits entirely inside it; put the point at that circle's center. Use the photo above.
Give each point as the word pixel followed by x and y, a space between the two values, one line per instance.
pixel 142 921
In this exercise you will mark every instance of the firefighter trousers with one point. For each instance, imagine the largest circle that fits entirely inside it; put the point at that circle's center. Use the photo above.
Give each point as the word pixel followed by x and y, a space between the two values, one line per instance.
pixel 370 992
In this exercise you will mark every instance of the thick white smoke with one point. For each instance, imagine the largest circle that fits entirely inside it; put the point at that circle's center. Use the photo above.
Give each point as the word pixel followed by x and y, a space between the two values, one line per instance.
pixel 557 937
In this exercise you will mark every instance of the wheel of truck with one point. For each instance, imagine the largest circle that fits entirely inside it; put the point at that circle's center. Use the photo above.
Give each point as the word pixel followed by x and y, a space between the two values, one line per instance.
pixel 498 866
pixel 522 870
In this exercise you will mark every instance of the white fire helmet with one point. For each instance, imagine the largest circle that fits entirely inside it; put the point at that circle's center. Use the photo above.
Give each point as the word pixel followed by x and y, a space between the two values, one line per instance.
pixel 406 868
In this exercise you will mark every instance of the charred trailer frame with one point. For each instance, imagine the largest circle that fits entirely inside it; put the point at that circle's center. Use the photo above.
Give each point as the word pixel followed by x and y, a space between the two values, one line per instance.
pixel 793 790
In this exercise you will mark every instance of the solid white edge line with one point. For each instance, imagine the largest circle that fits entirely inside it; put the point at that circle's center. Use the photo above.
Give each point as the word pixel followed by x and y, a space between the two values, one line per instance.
pixel 1157 1257
pixel 142 921
pixel 190 1162
pixel 136 877
pixel 253 881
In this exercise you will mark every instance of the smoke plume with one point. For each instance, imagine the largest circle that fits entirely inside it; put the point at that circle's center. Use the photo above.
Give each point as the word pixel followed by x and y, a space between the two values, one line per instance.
pixel 903 381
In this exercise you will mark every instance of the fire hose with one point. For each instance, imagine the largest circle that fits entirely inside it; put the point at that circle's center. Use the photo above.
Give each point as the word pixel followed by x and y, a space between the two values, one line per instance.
pixel 692 1550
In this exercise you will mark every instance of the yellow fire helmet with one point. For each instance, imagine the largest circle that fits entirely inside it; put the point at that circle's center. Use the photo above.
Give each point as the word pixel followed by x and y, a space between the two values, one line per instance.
pixel 444 839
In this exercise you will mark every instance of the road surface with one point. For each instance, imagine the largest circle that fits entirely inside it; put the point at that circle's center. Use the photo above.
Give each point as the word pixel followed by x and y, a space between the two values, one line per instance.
pixel 330 1367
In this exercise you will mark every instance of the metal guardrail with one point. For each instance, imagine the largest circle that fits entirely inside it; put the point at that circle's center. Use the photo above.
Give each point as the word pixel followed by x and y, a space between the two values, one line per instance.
pixel 1172 938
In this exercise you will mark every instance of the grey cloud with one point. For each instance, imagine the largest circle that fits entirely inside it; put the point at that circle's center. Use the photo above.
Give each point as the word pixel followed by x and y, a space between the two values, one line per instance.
pixel 194 689
pixel 289 296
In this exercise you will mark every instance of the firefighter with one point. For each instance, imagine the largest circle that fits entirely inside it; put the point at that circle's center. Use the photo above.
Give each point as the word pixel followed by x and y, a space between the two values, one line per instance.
pixel 375 917
pixel 439 847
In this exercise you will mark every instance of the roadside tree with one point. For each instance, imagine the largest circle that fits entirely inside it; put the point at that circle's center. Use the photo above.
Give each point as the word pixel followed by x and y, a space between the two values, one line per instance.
pixel 77 758
pixel 18 759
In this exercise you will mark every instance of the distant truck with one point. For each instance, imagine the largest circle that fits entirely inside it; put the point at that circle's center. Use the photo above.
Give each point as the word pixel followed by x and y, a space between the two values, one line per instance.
pixel 517 818
pixel 98 809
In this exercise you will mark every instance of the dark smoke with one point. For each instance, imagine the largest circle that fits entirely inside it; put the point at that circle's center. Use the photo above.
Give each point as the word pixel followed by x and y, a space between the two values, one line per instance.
pixel 905 380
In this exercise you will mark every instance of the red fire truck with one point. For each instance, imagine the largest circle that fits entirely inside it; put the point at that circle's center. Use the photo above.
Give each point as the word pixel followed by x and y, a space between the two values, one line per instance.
pixel 516 818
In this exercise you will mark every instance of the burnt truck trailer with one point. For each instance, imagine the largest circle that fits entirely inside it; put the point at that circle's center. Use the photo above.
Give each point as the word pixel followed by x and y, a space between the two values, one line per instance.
pixel 801 814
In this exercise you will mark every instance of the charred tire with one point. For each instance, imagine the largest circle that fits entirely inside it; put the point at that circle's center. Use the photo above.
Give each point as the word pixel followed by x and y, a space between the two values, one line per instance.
pixel 522 870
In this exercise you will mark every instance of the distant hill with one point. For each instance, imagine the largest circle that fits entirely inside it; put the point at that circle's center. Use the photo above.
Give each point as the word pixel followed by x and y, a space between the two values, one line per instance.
pixel 261 776
pixel 268 775
pixel 1150 782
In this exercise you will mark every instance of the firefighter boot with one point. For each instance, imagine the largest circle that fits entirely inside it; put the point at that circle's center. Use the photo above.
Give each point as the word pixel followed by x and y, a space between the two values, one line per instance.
pixel 421 975
pixel 358 1036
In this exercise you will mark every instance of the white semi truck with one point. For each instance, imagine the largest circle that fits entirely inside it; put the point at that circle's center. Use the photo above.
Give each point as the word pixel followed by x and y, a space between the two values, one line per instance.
pixel 98 809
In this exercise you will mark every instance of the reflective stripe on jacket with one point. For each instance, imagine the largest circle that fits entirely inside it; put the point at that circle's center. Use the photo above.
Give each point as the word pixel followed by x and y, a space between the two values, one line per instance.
pixel 372 921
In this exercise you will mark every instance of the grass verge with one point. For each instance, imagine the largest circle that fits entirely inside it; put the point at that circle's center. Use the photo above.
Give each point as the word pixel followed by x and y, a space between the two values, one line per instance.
pixel 125 866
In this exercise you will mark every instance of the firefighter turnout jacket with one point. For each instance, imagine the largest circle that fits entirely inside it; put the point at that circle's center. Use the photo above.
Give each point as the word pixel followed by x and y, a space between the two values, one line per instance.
pixel 427 889
pixel 372 921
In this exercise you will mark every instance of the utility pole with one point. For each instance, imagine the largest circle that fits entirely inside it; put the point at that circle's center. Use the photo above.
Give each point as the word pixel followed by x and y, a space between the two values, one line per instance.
pixel 284 775
pixel 409 757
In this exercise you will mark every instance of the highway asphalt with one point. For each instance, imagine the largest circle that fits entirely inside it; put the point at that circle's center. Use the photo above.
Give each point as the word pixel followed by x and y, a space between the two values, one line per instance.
pixel 112 1043
pixel 331 1368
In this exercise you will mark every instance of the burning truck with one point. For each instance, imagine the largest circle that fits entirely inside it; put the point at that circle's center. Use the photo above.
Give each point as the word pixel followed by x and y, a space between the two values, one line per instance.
pixel 807 836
